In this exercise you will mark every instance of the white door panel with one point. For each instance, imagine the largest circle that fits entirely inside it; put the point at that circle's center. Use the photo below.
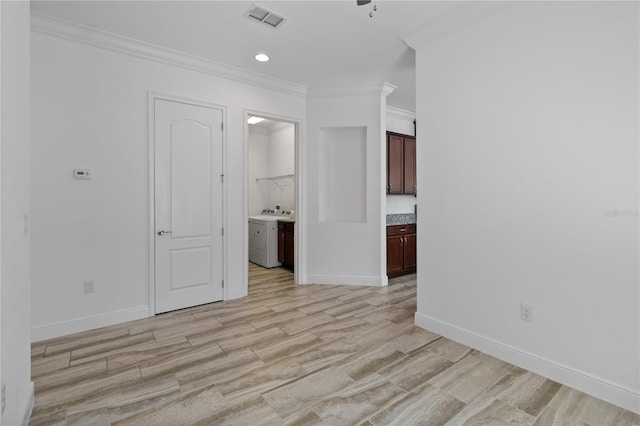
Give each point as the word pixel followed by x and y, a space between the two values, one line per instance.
pixel 191 179
pixel 190 267
pixel 188 203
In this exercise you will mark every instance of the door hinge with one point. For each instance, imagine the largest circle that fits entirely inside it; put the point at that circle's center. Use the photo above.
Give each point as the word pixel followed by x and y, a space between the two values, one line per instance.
pixel 222 283
pixel 222 178
pixel 222 231
pixel 222 126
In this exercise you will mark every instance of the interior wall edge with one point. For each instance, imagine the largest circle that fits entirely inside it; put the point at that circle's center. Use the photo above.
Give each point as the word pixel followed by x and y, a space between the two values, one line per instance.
pixel 27 407
pixel 606 390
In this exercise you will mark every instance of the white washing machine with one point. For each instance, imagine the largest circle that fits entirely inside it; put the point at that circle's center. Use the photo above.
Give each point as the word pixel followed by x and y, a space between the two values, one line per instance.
pixel 263 236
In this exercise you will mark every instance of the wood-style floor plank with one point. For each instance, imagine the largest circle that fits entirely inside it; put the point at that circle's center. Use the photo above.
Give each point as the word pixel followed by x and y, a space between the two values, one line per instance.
pixel 294 355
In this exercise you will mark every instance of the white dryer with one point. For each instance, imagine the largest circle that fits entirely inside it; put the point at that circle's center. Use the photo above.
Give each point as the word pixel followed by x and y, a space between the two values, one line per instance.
pixel 263 236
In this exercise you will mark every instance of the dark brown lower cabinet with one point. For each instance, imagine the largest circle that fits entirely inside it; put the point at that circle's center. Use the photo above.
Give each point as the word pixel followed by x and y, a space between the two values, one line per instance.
pixel 401 250
pixel 286 243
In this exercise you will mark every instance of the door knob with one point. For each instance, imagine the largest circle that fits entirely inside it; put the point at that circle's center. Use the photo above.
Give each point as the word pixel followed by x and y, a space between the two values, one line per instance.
pixel 163 232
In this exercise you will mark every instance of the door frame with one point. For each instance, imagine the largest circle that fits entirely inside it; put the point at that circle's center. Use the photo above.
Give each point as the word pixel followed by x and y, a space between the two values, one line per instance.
pixel 300 230
pixel 151 242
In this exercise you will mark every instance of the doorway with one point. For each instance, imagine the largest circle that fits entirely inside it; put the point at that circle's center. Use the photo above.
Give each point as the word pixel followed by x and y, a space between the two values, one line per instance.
pixel 272 197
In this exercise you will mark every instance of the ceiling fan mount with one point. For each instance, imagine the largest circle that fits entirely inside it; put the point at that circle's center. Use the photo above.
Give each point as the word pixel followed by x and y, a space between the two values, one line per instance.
pixel 374 8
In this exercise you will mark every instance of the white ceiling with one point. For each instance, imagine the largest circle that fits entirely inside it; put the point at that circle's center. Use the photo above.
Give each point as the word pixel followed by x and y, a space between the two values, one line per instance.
pixel 323 44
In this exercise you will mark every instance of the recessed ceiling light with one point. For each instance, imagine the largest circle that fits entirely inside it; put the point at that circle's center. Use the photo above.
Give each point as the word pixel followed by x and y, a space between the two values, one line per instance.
pixel 261 57
pixel 254 120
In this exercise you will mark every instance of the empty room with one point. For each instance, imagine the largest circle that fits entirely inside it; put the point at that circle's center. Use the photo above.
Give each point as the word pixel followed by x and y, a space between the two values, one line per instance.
pixel 319 212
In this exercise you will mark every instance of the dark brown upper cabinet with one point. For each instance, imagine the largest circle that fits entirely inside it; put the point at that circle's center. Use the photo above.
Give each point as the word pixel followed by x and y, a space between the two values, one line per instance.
pixel 401 164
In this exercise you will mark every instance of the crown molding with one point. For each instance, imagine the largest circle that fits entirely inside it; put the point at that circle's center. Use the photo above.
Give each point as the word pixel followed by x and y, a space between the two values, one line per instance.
pixel 388 88
pixel 54 27
pixel 402 114
pixel 380 89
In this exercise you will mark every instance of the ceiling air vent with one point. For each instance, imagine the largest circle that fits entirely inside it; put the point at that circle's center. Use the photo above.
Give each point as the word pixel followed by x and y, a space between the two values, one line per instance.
pixel 264 15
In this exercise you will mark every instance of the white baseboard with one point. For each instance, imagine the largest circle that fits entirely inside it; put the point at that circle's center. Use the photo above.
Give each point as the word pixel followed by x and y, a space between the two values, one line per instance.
pixel 600 388
pixel 49 331
pixel 27 407
pixel 346 280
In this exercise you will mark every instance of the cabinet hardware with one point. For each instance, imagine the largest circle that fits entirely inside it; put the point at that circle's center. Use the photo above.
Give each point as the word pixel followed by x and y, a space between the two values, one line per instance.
pixel 403 229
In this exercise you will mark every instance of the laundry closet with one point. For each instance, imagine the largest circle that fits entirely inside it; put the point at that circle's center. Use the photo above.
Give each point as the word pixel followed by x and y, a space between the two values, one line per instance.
pixel 271 196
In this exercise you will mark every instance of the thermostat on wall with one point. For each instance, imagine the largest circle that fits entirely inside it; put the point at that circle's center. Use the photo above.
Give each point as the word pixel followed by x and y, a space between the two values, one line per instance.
pixel 81 174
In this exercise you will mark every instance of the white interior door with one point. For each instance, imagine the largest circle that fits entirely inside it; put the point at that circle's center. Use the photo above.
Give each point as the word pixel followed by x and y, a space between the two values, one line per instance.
pixel 188 205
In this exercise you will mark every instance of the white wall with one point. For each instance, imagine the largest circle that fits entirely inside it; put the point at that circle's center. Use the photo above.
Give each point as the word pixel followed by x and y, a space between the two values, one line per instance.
pixel 401 204
pixel 258 167
pixel 342 174
pixel 343 252
pixel 529 191
pixel 400 121
pixel 90 110
pixel 15 276
pixel 282 161
pixel 271 153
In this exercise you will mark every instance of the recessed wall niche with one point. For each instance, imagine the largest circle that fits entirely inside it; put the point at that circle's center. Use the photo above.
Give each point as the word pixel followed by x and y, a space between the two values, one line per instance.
pixel 342 176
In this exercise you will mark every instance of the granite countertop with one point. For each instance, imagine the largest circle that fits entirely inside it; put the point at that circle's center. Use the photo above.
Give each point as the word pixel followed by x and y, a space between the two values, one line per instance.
pixel 401 219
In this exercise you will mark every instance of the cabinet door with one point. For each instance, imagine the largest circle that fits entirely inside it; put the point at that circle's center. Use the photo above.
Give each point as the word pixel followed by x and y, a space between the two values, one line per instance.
pixel 281 244
pixel 395 255
pixel 409 166
pixel 410 253
pixel 288 248
pixel 395 160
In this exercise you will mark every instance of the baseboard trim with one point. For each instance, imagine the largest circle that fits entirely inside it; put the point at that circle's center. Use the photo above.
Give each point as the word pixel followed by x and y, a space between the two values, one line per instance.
pixel 600 388
pixel 27 407
pixel 347 280
pixel 62 328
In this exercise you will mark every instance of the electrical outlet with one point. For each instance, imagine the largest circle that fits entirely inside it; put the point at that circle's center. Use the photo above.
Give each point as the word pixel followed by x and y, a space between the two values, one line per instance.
pixel 89 287
pixel 3 398
pixel 526 312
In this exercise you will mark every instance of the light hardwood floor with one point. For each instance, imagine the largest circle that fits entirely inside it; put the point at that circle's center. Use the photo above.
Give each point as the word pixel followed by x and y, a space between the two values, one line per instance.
pixel 290 354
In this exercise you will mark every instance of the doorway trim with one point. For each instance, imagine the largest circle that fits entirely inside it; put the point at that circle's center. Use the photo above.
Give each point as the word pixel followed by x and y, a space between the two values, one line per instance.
pixel 300 230
pixel 151 258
